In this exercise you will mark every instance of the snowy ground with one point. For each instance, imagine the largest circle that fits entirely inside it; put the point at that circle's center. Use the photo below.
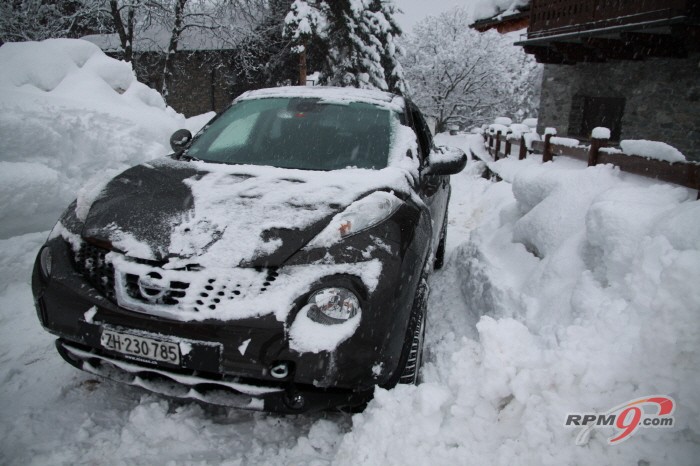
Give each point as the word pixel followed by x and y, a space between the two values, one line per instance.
pixel 565 289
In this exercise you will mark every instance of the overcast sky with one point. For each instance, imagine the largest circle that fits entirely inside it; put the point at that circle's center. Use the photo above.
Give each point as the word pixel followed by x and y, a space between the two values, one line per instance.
pixel 415 10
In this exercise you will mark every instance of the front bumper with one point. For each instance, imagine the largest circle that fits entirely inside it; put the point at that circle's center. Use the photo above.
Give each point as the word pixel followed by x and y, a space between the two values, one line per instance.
pixel 215 369
pixel 209 388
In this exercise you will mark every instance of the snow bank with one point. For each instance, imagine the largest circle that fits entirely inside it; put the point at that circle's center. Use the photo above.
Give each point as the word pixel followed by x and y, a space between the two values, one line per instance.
pixel 505 121
pixel 68 112
pixel 495 127
pixel 530 122
pixel 652 149
pixel 604 312
pixel 518 129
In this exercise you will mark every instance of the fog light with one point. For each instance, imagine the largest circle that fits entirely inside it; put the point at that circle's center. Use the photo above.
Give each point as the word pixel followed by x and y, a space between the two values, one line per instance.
pixel 45 262
pixel 333 306
pixel 295 400
pixel 280 370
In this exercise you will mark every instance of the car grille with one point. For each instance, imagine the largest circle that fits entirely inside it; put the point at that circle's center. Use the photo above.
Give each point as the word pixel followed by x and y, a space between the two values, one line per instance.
pixel 90 262
pixel 149 288
pixel 142 286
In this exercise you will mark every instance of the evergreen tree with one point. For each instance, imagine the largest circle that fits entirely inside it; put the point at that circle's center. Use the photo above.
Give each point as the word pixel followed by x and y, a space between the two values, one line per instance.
pixel 359 37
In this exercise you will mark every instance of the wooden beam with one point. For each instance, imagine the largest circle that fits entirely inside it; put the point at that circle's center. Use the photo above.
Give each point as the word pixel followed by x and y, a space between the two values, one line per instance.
pixel 612 49
pixel 545 55
pixel 575 53
pixel 655 45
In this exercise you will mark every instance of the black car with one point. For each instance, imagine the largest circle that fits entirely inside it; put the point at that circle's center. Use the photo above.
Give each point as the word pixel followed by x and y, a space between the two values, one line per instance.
pixel 277 260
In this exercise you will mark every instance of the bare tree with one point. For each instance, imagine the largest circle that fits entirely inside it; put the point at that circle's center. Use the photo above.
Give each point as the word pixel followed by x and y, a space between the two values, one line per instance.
pixel 179 26
pixel 25 20
pixel 223 22
pixel 123 15
pixel 460 76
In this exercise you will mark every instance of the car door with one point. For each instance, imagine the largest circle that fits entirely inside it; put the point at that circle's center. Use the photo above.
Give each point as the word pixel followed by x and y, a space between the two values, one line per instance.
pixel 434 189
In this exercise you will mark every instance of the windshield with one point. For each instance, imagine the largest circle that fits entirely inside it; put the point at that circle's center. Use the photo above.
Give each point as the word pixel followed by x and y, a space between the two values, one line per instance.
pixel 303 133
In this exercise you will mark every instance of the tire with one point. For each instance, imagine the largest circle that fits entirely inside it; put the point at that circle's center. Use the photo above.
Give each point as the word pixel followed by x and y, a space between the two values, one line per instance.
pixel 414 361
pixel 440 251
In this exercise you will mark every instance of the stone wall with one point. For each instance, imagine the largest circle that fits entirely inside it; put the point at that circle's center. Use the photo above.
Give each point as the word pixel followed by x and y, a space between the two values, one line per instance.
pixel 662 98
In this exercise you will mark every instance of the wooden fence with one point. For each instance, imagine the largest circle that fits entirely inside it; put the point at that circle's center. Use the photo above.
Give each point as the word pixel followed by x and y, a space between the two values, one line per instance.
pixel 681 173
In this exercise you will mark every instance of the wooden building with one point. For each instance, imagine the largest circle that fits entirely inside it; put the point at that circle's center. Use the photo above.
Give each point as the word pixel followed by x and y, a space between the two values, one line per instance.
pixel 630 65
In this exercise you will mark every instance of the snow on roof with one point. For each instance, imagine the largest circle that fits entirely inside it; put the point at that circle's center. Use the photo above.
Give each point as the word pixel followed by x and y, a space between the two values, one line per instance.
pixel 330 94
pixel 497 9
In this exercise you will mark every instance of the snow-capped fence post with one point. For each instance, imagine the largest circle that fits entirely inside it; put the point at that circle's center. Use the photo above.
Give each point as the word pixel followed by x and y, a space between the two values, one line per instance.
pixel 498 145
pixel 599 138
pixel 523 149
pixel 508 145
pixel 547 151
pixel 680 172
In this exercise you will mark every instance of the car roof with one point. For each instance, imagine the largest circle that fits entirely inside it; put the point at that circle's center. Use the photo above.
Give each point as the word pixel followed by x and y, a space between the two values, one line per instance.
pixel 329 93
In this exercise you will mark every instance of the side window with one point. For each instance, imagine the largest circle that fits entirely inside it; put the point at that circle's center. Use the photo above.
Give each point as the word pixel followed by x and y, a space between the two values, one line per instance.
pixel 425 139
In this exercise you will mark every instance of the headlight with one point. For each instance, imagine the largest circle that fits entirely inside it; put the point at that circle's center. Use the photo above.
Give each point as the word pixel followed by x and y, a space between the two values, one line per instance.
pixel 333 306
pixel 45 261
pixel 357 217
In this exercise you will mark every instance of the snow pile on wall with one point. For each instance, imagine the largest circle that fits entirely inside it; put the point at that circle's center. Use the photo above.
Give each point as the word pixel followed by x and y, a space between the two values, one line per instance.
pixel 68 112
pixel 586 283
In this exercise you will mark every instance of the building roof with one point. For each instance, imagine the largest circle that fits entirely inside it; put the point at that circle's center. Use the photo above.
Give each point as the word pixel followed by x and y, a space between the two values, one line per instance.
pixel 157 37
pixel 504 15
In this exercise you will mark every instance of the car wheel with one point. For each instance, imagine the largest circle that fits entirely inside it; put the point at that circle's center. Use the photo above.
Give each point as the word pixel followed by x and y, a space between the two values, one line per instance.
pixel 409 375
pixel 440 252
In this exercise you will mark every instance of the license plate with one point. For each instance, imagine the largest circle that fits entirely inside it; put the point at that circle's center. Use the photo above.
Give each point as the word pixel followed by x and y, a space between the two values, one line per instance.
pixel 146 348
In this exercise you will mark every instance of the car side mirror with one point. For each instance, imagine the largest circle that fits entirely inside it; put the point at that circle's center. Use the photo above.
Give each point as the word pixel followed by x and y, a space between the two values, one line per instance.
pixel 445 161
pixel 180 139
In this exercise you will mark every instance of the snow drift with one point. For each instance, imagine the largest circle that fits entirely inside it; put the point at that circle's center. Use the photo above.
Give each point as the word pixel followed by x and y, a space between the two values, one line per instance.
pixel 68 112
pixel 584 284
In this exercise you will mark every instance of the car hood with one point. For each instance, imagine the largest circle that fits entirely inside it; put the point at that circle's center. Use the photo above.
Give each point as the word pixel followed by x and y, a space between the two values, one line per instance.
pixel 211 215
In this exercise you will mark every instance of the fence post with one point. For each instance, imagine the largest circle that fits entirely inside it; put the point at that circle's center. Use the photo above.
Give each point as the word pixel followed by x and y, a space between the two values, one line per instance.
pixel 596 144
pixel 507 150
pixel 498 145
pixel 523 149
pixel 547 152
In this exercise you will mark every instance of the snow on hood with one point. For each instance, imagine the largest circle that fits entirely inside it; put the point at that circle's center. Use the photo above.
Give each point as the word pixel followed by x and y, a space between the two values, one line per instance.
pixel 234 215
pixel 241 214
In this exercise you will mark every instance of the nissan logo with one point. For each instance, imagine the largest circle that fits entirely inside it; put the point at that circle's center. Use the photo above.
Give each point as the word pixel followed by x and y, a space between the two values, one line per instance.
pixel 152 287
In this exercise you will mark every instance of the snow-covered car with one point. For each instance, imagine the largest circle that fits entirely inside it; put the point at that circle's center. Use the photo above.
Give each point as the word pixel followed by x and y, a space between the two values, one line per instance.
pixel 277 260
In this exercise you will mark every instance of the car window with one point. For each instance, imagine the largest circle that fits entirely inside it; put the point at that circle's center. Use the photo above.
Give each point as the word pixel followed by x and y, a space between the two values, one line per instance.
pixel 304 133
